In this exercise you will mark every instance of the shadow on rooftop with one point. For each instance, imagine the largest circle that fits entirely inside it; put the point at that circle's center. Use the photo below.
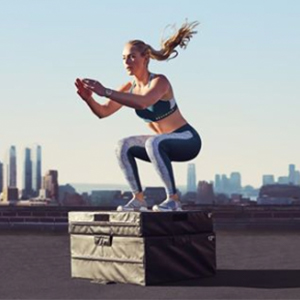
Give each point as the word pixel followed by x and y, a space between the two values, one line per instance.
pixel 265 279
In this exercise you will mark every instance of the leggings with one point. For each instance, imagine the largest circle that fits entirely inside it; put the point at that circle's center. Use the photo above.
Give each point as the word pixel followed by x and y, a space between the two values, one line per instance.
pixel 180 145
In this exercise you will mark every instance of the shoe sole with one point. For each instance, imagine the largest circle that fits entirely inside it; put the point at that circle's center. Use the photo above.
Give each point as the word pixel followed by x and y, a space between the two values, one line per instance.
pixel 165 210
pixel 132 209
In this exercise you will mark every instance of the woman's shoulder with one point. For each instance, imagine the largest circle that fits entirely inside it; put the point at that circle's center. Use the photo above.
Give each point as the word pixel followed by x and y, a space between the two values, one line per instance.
pixel 160 77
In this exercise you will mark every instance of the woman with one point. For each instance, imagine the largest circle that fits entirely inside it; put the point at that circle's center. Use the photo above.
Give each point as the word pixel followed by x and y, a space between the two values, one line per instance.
pixel 152 97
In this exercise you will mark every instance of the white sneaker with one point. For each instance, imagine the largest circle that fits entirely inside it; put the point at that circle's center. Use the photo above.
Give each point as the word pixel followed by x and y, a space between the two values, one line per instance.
pixel 168 205
pixel 133 205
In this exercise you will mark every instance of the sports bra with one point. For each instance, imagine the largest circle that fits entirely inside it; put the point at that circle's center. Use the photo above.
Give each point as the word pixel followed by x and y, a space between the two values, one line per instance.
pixel 157 111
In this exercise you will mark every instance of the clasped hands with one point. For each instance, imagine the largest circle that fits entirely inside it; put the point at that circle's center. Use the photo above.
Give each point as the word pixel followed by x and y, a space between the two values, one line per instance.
pixel 86 87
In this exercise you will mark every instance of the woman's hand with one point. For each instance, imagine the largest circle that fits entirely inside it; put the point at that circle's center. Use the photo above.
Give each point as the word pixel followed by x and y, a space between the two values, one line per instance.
pixel 82 91
pixel 94 86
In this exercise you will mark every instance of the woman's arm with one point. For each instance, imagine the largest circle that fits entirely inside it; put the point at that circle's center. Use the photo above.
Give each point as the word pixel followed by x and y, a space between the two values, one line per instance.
pixel 159 88
pixel 101 110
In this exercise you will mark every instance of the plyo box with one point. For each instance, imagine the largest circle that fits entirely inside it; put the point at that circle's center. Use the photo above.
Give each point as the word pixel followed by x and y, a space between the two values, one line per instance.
pixel 144 248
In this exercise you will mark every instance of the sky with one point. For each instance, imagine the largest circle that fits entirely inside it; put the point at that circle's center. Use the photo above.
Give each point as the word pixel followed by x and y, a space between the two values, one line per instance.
pixel 237 83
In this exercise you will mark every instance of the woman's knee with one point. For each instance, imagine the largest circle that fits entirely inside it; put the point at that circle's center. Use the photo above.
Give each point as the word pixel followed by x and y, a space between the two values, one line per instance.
pixel 152 144
pixel 122 146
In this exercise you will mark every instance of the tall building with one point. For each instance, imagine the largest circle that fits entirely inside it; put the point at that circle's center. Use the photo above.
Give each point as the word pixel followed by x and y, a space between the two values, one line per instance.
pixel 205 193
pixel 218 185
pixel 50 184
pixel 36 159
pixel 292 171
pixel 268 179
pixel 27 174
pixel 11 180
pixel 297 178
pixel 235 182
pixel 1 177
pixel 225 184
pixel 191 178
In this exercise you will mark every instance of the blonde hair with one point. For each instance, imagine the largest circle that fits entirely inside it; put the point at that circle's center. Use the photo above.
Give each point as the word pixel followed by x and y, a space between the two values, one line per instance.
pixel 180 38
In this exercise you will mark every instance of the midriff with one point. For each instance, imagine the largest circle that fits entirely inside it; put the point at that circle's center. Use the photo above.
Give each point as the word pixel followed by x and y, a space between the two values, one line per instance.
pixel 168 124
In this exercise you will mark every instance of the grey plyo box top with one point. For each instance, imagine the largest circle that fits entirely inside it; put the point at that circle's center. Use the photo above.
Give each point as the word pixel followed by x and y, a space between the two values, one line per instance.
pixel 140 223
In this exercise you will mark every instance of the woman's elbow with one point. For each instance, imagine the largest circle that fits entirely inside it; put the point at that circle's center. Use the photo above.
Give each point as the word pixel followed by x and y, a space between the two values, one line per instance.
pixel 140 106
pixel 143 105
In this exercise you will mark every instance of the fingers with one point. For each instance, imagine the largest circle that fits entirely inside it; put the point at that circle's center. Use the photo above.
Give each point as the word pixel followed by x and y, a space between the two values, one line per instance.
pixel 89 81
pixel 78 84
pixel 85 85
pixel 81 86
pixel 90 84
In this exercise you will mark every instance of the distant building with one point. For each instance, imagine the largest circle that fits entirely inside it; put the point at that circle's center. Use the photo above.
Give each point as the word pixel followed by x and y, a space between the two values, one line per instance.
pixel 36 159
pixel 235 182
pixel 292 174
pixel 50 185
pixel 249 191
pixel 105 197
pixel 65 190
pixel 218 185
pixel 191 178
pixel 279 194
pixel 225 184
pixel 27 175
pixel 10 168
pixel 297 178
pixel 154 195
pixel 10 194
pixel 69 197
pixel 190 198
pixel 283 180
pixel 1 177
pixel 205 193
pixel 268 179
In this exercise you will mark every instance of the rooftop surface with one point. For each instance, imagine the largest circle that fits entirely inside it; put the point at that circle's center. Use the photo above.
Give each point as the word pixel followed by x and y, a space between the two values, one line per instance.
pixel 251 264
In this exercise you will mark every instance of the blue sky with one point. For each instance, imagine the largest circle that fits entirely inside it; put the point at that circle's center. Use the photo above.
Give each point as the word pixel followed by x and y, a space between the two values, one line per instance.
pixel 237 83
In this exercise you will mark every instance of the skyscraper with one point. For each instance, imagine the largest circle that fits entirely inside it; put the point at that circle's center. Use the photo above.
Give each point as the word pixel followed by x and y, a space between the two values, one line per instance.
pixel 218 184
pixel 191 178
pixel 297 178
pixel 50 184
pixel 235 182
pixel 12 167
pixel 1 177
pixel 225 184
pixel 292 171
pixel 36 159
pixel 27 174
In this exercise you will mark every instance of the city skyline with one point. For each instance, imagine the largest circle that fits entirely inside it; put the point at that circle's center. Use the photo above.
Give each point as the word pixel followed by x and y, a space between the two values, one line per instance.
pixel 28 173
pixel 237 83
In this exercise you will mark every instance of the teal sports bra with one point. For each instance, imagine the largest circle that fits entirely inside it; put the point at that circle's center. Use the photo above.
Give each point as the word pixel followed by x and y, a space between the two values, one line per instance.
pixel 159 110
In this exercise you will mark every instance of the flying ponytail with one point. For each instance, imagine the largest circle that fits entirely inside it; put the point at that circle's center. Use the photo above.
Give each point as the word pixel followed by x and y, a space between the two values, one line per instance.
pixel 180 38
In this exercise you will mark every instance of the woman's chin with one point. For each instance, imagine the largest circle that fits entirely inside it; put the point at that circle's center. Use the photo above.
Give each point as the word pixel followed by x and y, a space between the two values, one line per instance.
pixel 129 72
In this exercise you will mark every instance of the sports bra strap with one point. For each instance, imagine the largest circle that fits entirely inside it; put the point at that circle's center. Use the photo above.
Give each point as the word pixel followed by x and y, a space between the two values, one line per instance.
pixel 151 76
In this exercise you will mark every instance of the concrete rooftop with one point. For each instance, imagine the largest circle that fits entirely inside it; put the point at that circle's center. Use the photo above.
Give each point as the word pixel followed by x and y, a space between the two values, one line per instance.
pixel 251 264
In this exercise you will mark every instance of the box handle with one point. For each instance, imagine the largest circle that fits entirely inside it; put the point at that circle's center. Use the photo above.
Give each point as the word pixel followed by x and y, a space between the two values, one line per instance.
pixel 101 217
pixel 103 240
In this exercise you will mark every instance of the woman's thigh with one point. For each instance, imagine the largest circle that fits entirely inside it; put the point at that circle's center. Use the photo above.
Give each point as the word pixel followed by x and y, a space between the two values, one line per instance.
pixel 179 147
pixel 135 146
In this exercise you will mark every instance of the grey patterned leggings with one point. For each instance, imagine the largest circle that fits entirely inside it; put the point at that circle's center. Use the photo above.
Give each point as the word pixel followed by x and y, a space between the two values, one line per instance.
pixel 181 145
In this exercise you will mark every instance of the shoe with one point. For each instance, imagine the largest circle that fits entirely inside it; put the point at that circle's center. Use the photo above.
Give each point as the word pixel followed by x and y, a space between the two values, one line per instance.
pixel 168 205
pixel 133 205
